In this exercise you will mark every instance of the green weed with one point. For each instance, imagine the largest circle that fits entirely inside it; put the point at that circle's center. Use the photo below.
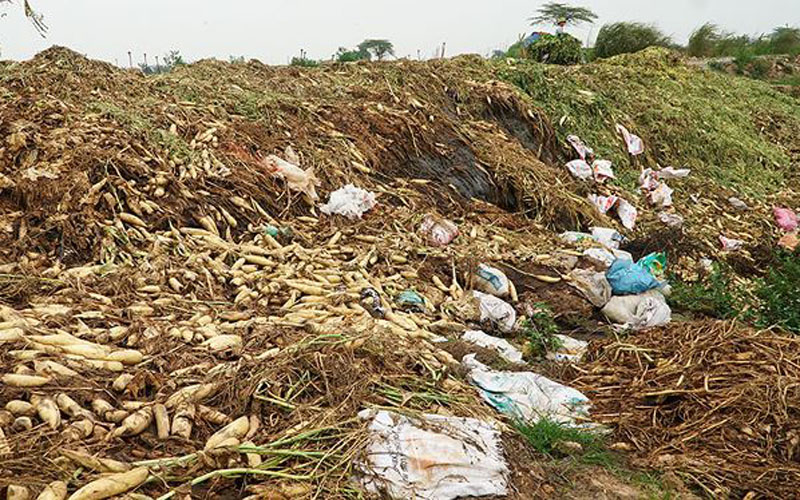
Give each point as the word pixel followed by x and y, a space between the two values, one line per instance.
pixel 540 332
pixel 779 293
pixel 713 296
pixel 546 436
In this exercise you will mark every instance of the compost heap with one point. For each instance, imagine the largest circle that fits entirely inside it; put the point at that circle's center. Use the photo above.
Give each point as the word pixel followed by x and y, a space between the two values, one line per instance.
pixel 159 263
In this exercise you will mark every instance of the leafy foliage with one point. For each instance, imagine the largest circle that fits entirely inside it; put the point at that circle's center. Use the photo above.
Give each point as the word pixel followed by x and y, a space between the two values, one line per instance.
pixel 622 38
pixel 713 296
pixel 347 55
pixel 780 294
pixel 540 332
pixel 553 49
pixel 304 62
pixel 785 40
pixel 376 48
pixel 704 41
pixel 555 12
pixel 170 61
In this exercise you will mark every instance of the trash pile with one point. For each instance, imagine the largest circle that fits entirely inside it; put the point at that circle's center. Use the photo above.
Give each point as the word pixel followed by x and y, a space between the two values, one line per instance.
pixel 208 286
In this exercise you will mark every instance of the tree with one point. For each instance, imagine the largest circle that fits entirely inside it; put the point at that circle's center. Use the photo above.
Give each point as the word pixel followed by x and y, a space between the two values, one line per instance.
pixel 785 40
pixel 346 55
pixel 556 12
pixel 704 41
pixel 172 59
pixel 376 48
pixel 36 19
pixel 624 37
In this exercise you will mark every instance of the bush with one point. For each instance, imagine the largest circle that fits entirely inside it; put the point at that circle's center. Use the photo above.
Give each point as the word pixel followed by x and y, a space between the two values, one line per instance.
pixel 561 49
pixel 623 38
pixel 785 40
pixel 780 294
pixel 540 332
pixel 760 68
pixel 704 41
pixel 304 62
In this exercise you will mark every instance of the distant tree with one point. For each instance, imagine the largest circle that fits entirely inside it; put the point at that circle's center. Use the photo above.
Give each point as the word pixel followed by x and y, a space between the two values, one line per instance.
pixel 624 37
pixel 172 59
pixel 704 41
pixel 304 62
pixel 558 13
pixel 785 40
pixel 236 59
pixel 36 19
pixel 376 48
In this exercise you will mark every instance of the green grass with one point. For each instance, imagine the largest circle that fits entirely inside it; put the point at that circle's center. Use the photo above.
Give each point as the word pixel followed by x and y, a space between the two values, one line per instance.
pixel 714 296
pixel 545 435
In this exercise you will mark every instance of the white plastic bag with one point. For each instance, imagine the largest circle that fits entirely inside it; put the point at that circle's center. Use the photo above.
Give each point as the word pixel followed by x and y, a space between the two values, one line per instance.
pixel 433 457
pixel 592 285
pixel 637 312
pixel 580 169
pixel 671 220
pixel 571 350
pixel 661 196
pixel 737 203
pixel 303 181
pixel 627 214
pixel 602 171
pixel 730 244
pixel 609 238
pixel 575 237
pixel 584 151
pixel 350 201
pixel 673 173
pixel 439 231
pixel 527 396
pixel 491 280
pixel 502 346
pixel 648 180
pixel 603 203
pixel 496 311
pixel 634 142
pixel 605 257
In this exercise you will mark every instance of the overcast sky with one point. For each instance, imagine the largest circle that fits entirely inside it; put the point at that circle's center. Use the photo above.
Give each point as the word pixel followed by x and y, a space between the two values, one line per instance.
pixel 274 30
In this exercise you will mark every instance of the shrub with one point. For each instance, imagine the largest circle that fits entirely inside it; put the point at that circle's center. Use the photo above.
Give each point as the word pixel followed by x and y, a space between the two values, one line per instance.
pixel 711 297
pixel 704 41
pixel 760 68
pixel 785 40
pixel 780 294
pixel 304 62
pixel 624 37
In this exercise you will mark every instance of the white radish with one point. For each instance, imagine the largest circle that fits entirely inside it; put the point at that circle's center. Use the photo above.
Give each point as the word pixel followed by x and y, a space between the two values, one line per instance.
pixel 182 422
pixel 14 492
pixel 235 430
pixel 53 369
pixel 162 421
pixel 48 410
pixel 135 423
pixel 20 408
pixel 57 490
pixel 94 463
pixel 17 380
pixel 112 485
pixel 190 394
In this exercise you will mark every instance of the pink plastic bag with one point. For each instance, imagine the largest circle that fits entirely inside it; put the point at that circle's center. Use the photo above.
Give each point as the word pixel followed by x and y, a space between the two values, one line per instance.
pixel 580 169
pixel 603 203
pixel 297 179
pixel 627 214
pixel 634 142
pixel 730 244
pixel 439 231
pixel 602 171
pixel 785 218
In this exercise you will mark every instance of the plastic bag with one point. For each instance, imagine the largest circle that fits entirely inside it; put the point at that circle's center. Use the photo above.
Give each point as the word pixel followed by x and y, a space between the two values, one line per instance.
pixel 628 278
pixel 671 220
pixel 433 457
pixel 737 203
pixel 673 173
pixel 584 151
pixel 730 244
pixel 439 231
pixel 785 218
pixel 609 238
pixel 592 285
pixel 634 142
pixel 789 241
pixel 637 312
pixel 496 312
pixel 570 351
pixel 303 181
pixel 655 263
pixel 527 396
pixel 648 180
pixel 410 300
pixel 575 237
pixel 603 203
pixel 661 196
pixel 502 346
pixel 350 201
pixel 627 214
pixel 602 171
pixel 580 169
pixel 491 280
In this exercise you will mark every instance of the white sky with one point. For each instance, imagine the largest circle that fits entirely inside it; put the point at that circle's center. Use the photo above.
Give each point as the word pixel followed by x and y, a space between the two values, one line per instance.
pixel 275 30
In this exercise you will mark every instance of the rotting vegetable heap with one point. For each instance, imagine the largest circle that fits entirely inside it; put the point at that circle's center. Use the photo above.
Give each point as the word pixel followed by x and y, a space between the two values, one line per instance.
pixel 160 282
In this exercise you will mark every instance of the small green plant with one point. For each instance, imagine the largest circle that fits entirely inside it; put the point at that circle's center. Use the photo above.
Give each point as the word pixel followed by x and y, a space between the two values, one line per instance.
pixel 304 62
pixel 760 68
pixel 743 58
pixel 711 297
pixel 540 332
pixel 779 293
pixel 547 437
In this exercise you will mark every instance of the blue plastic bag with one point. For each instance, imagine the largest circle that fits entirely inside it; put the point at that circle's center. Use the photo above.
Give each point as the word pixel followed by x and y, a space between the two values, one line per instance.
pixel 629 278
